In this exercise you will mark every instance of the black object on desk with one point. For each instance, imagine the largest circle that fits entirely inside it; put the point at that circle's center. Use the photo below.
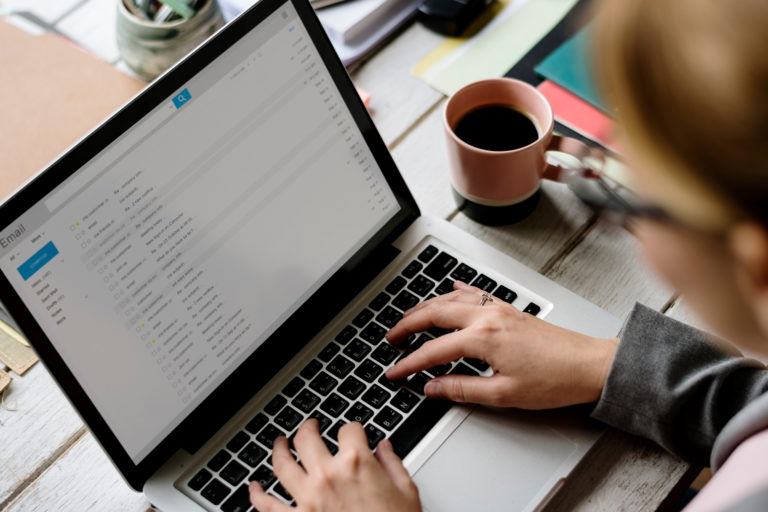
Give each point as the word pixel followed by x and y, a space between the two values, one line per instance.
pixel 450 17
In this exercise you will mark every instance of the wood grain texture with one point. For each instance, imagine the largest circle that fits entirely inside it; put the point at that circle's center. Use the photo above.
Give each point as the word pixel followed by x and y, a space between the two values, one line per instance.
pixel 423 162
pixel 82 479
pixel 398 99
pixel 548 231
pixel 36 431
pixel 622 473
pixel 605 268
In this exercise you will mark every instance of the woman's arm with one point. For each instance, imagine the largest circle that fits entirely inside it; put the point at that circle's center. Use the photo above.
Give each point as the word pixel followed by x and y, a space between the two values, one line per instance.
pixel 671 384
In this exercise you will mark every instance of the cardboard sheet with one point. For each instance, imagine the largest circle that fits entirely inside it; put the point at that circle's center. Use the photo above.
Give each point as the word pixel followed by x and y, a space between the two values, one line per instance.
pixel 51 93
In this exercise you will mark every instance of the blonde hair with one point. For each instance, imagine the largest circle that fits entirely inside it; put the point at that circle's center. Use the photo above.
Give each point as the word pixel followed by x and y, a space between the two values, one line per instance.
pixel 690 80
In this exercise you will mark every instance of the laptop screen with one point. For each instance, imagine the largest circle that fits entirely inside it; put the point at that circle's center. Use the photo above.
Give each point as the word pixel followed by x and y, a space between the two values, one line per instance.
pixel 168 258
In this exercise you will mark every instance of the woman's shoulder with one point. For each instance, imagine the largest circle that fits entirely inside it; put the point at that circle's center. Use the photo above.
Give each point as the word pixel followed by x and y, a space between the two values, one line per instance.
pixel 741 480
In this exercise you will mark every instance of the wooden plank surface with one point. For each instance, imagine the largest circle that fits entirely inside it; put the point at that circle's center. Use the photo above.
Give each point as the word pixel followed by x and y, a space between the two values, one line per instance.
pixel 35 433
pixel 82 479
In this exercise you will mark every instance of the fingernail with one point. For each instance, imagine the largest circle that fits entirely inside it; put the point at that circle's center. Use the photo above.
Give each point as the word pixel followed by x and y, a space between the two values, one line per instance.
pixel 460 284
pixel 384 443
pixel 254 487
pixel 433 387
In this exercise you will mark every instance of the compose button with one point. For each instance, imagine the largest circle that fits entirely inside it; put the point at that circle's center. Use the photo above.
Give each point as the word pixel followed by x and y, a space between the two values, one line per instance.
pixel 38 260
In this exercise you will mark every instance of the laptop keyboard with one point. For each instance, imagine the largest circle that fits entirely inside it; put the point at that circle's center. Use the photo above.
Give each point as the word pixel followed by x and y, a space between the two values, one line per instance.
pixel 345 382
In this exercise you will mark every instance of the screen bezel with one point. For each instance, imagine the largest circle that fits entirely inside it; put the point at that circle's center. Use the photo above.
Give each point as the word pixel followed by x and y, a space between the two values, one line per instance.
pixel 283 344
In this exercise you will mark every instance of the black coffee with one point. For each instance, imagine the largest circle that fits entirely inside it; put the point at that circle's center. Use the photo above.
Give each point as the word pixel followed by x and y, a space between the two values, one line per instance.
pixel 496 128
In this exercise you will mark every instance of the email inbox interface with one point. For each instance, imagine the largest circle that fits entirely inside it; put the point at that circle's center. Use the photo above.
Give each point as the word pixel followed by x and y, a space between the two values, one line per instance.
pixel 172 255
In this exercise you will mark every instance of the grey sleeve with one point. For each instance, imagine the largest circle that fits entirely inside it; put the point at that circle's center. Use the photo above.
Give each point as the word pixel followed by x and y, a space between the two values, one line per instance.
pixel 670 384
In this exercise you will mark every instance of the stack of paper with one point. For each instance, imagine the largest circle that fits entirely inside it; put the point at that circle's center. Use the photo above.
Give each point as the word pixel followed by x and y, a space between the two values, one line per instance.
pixel 355 27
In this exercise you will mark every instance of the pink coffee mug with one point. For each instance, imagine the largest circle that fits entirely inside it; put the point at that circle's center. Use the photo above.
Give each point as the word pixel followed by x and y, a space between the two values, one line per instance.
pixel 502 187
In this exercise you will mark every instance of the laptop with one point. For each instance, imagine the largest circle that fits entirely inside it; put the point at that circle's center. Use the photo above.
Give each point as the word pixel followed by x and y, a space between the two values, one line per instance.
pixel 222 258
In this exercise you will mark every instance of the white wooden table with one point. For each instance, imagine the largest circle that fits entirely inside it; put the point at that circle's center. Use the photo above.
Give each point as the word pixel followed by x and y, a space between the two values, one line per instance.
pixel 50 461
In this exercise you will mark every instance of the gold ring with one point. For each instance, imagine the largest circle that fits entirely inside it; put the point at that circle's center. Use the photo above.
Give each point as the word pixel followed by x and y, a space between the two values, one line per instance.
pixel 485 298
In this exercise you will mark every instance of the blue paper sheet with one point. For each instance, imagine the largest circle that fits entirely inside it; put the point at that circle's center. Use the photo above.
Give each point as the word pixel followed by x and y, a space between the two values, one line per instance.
pixel 570 67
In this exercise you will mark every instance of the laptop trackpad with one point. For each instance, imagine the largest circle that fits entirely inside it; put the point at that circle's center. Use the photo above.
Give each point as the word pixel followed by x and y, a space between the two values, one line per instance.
pixel 492 461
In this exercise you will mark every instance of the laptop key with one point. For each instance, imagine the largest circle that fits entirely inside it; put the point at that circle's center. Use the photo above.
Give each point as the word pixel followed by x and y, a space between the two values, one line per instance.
pixel 427 254
pixel 417 383
pixel 368 370
pixel 385 353
pixel 233 473
pixel 280 491
pixel 388 418
pixel 311 369
pixel 237 442
pixel 333 432
pixel 416 426
pixel 440 369
pixel 218 460
pixel 292 388
pixel 505 294
pixel 374 435
pixel 373 333
pixel 463 369
pixel 345 335
pixel 268 435
pixel 363 318
pixel 395 285
pixel 215 491
pixel 405 400
pixel 264 476
pixel 252 454
pixel 323 383
pixel 477 364
pixel 200 479
pixel 392 385
pixel 306 400
pixel 340 366
pixel 445 286
pixel 288 418
pixel 359 413
pixel 405 300
pixel 334 405
pixel 464 273
pixel 381 300
pixel 440 266
pixel 412 269
pixel 484 282
pixel 389 317
pixel 331 446
pixel 532 309
pixel 274 405
pixel 418 342
pixel 328 352
pixel 376 396
pixel 240 501
pixel 351 388
pixel 357 350
pixel 437 331
pixel 323 421
pixel 421 285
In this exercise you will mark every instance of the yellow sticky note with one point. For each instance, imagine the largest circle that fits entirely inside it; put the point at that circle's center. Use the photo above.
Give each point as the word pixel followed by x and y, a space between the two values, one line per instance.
pixel 496 48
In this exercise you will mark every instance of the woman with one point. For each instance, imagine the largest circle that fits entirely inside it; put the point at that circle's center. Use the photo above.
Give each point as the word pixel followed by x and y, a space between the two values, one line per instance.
pixel 690 79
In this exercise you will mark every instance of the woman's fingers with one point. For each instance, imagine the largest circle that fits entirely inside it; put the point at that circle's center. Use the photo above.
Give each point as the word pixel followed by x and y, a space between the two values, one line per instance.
pixel 462 388
pixel 263 502
pixel 446 315
pixel 310 447
pixel 287 470
pixel 352 437
pixel 444 349
pixel 392 465
pixel 469 296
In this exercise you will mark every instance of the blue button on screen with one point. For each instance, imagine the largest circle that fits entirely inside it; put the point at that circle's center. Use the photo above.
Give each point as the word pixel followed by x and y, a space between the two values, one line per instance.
pixel 181 98
pixel 38 260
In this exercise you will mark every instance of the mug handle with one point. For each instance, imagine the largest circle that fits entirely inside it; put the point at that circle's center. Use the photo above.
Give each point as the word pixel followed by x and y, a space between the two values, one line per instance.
pixel 590 159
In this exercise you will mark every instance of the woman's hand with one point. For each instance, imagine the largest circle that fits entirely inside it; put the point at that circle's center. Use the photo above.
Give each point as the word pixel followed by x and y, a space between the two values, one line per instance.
pixel 536 365
pixel 354 480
